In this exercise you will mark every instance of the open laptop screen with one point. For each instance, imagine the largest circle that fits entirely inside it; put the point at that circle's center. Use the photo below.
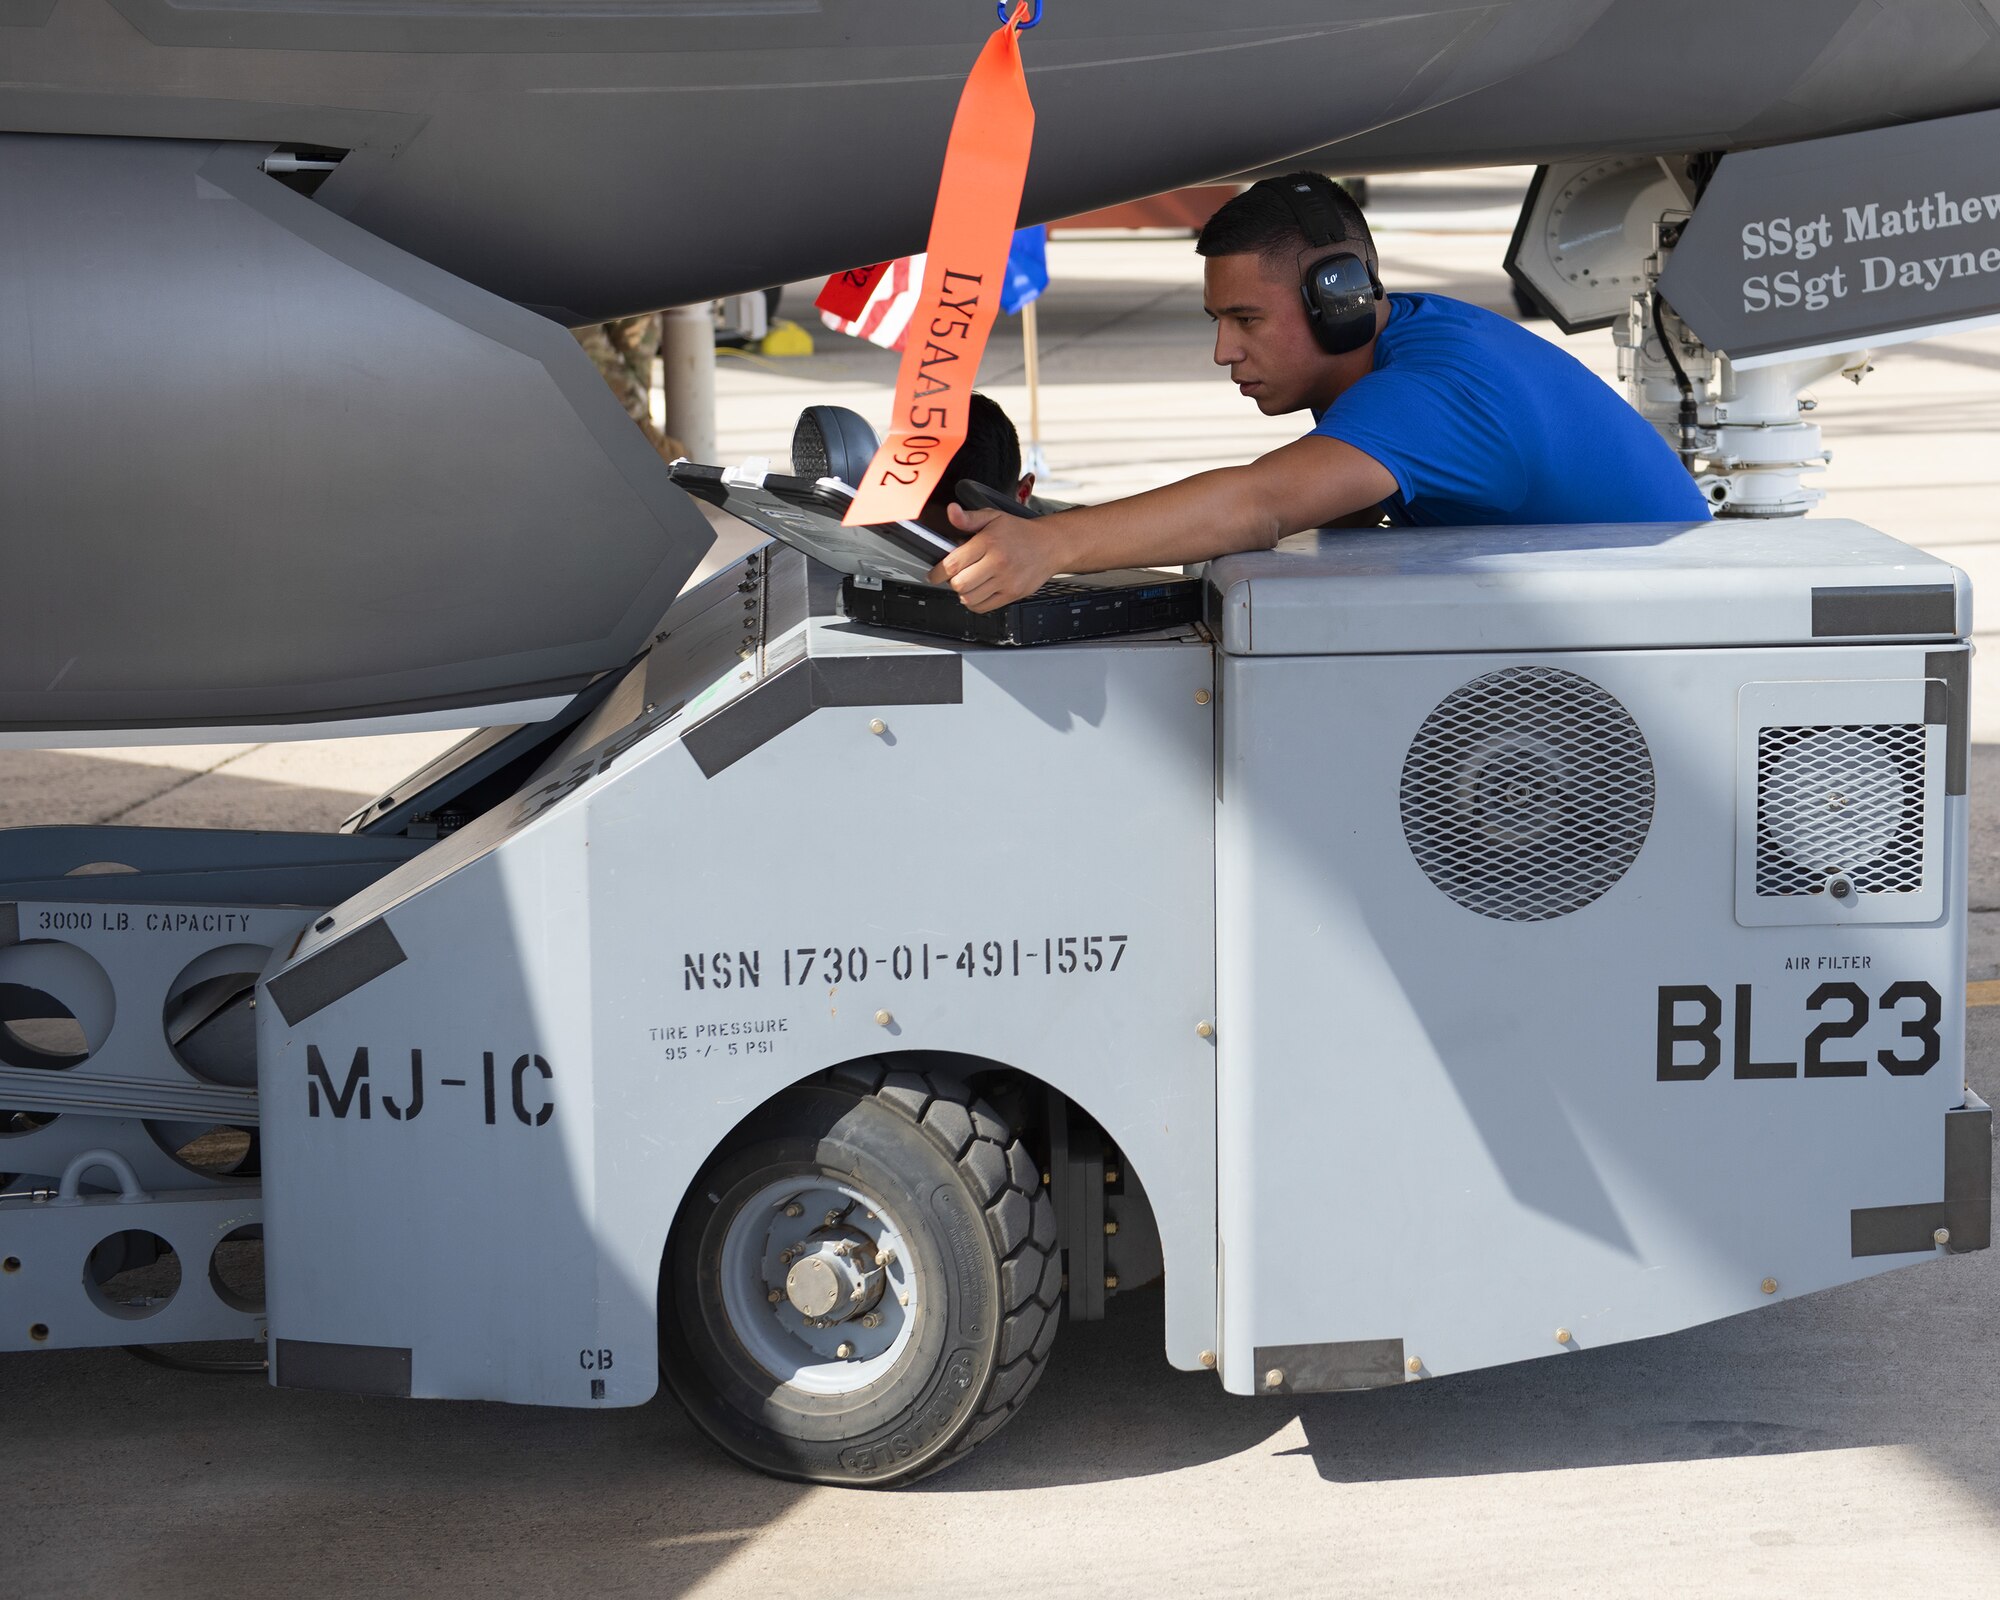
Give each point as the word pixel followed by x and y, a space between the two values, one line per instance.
pixel 805 513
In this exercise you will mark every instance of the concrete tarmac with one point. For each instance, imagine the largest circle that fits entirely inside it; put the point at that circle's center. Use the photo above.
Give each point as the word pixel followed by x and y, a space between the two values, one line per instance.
pixel 1842 1445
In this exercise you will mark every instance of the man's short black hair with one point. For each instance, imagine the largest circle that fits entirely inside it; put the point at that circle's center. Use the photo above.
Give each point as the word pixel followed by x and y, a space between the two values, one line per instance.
pixel 1260 222
pixel 990 455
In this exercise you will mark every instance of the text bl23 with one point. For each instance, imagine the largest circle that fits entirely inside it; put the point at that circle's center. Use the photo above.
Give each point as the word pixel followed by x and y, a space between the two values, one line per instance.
pixel 1692 1017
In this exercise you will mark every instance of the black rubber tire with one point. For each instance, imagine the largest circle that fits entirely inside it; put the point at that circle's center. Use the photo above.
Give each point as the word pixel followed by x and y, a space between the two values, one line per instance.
pixel 927 1150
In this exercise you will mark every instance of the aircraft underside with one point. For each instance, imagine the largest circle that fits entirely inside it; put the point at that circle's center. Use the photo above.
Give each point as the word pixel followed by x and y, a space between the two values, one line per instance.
pixel 339 465
pixel 598 161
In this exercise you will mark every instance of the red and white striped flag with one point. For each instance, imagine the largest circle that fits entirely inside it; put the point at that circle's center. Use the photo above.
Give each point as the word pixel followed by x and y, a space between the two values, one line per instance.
pixel 886 312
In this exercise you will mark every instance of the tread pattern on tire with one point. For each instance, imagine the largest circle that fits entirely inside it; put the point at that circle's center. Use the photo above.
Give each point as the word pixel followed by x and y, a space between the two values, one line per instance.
pixel 1020 1218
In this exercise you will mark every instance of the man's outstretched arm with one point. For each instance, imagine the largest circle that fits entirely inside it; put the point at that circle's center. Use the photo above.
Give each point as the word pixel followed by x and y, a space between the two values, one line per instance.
pixel 1306 484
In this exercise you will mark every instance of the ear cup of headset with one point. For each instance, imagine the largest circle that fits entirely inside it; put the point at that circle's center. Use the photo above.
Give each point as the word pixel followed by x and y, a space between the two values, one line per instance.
pixel 832 442
pixel 1340 294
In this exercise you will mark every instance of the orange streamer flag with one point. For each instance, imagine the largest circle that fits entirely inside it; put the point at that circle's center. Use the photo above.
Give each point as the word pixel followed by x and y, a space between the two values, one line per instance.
pixel 979 201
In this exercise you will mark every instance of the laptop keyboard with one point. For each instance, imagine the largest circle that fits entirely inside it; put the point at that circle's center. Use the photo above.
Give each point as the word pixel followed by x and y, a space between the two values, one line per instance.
pixel 1061 609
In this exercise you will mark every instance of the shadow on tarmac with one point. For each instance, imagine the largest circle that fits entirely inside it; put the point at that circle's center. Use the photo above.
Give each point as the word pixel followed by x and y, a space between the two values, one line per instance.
pixel 269 1486
pixel 273 1486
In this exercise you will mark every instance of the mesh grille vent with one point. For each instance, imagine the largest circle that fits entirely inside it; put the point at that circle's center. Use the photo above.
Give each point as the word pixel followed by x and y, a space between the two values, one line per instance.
pixel 1527 793
pixel 809 455
pixel 1840 802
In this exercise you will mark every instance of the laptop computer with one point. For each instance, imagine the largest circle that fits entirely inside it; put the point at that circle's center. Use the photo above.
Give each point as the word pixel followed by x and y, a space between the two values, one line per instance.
pixel 805 513
pixel 887 566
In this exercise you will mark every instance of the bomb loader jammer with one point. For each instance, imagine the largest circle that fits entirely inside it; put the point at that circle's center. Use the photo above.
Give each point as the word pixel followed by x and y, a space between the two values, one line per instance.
pixel 1468 946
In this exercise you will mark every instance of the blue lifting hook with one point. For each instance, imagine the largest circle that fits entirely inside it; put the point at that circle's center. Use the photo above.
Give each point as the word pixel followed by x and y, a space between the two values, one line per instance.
pixel 1034 17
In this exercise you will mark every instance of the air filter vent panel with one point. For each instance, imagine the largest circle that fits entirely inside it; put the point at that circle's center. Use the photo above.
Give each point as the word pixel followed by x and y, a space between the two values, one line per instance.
pixel 1840 805
pixel 1840 801
pixel 1527 793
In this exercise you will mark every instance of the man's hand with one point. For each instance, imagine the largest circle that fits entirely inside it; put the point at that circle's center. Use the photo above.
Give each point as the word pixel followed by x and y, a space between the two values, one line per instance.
pixel 1308 483
pixel 1006 559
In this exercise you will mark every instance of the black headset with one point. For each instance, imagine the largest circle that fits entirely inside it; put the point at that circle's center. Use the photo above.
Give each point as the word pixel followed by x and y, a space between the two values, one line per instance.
pixel 1340 290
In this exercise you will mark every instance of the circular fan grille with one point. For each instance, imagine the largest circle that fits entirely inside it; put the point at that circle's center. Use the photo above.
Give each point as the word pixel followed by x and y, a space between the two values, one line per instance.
pixel 1527 793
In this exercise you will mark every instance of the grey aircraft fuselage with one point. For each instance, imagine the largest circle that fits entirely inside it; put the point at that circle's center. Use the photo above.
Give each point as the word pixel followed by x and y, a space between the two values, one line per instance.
pixel 273 463
pixel 591 158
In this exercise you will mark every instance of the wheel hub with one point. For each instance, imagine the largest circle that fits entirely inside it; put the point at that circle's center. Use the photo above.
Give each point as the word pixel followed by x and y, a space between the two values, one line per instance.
pixel 817 1284
pixel 837 1278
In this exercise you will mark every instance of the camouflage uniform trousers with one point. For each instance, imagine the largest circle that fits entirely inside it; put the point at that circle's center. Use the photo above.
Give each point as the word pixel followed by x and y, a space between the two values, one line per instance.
pixel 624 352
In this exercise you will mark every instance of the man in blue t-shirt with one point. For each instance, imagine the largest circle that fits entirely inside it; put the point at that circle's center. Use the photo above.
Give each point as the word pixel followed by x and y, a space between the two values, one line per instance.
pixel 1427 411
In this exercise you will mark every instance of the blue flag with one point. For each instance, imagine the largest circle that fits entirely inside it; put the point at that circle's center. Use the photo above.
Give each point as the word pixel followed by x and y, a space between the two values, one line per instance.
pixel 1027 269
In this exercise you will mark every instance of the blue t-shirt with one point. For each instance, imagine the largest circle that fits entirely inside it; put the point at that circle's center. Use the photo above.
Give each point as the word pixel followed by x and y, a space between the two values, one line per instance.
pixel 1481 421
